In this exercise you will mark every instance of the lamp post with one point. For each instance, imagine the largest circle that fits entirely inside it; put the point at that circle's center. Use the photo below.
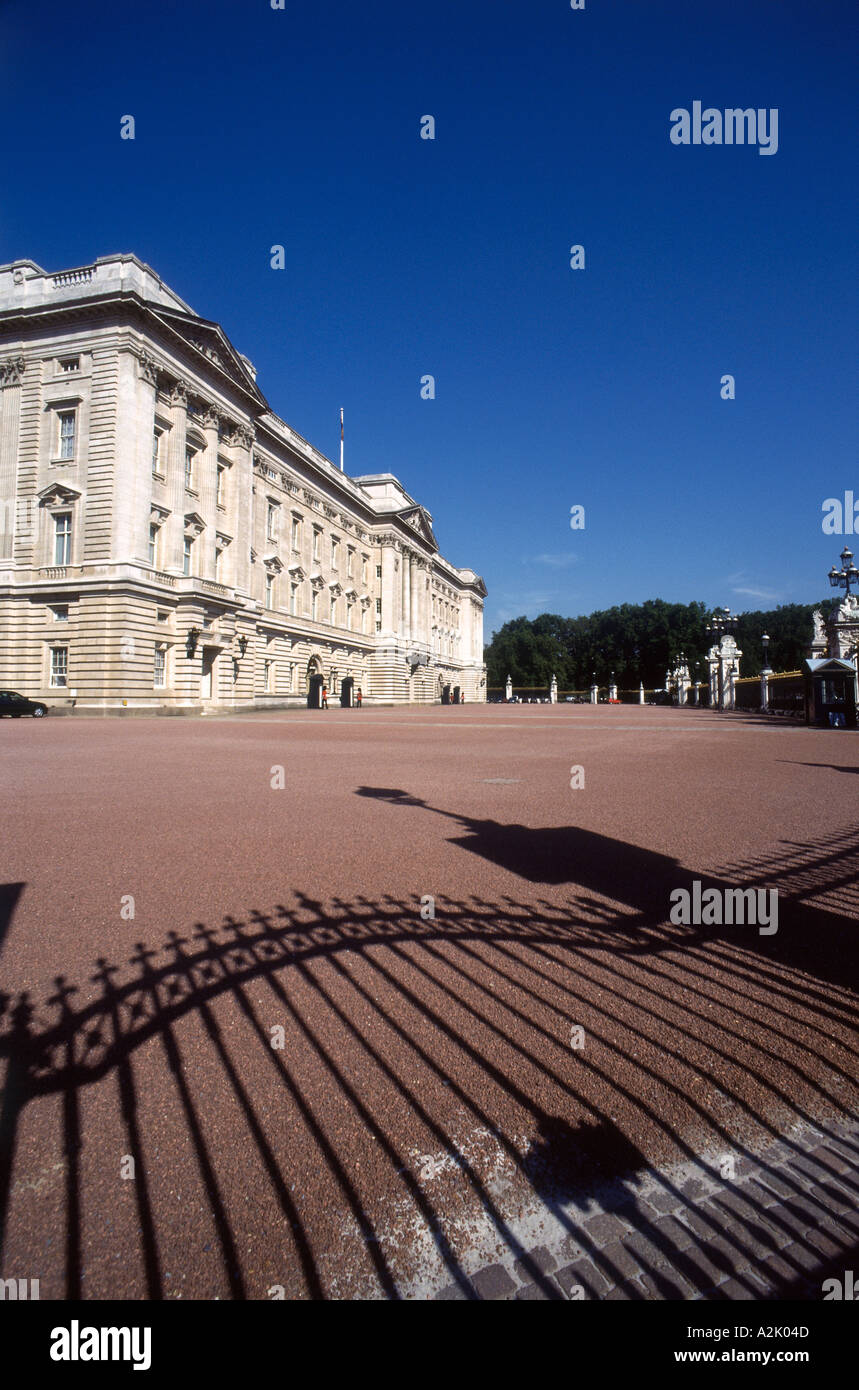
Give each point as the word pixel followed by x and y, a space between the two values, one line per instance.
pixel 594 688
pixel 765 673
pixel 847 575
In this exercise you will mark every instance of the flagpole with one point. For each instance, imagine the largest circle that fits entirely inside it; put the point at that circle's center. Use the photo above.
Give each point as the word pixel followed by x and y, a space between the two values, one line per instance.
pixel 341 439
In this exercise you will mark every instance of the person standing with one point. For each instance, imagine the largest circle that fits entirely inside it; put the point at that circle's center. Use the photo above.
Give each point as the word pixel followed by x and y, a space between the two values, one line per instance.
pixel 358 697
pixel 325 697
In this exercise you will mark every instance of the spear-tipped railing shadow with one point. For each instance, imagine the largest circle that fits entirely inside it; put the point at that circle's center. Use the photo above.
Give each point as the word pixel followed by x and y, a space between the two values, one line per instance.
pixel 479 1000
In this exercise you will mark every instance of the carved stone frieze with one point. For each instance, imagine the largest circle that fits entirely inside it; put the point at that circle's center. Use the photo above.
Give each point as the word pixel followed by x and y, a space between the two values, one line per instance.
pixel 11 371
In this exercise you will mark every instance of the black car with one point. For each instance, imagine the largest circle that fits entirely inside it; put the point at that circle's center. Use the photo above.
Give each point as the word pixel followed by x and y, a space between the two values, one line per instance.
pixel 15 705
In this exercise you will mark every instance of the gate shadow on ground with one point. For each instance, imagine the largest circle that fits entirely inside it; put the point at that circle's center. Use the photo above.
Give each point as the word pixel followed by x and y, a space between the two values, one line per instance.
pixel 813 938
pixel 415 1036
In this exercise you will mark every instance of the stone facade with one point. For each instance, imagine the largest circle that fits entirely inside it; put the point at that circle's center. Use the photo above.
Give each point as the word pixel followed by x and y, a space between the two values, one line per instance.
pixel 168 543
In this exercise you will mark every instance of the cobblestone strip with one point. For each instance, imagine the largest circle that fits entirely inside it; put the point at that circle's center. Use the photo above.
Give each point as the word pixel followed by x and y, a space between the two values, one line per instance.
pixel 785 1221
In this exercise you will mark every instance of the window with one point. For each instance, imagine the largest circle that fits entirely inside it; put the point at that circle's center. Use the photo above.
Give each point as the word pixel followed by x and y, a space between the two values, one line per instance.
pixel 333 611
pixel 190 455
pixel 153 547
pixel 219 559
pixel 269 590
pixel 363 569
pixel 350 558
pixel 271 522
pixel 349 610
pixel 378 571
pixel 219 485
pixel 70 364
pixel 293 599
pixel 379 607
pixel 268 676
pixel 160 677
pixel 163 615
pixel 60 612
pixel 316 538
pixel 314 604
pixel 67 422
pixel 186 554
pixel 156 450
pixel 62 538
pixel 59 666
pixel 335 552
pixel 296 533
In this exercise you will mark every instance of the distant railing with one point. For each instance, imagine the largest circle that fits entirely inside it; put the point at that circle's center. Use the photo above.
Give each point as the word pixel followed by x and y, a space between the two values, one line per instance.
pixel 786 692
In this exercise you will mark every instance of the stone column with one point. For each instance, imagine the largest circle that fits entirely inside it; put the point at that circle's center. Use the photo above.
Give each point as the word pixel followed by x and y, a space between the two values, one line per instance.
pixel 594 694
pixel 240 518
pixel 13 514
pixel 641 692
pixel 415 597
pixel 171 554
pixel 389 591
pixel 406 612
pixel 207 487
pixel 713 667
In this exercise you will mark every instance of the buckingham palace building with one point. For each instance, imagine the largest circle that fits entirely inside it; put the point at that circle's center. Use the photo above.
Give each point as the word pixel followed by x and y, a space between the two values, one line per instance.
pixel 169 544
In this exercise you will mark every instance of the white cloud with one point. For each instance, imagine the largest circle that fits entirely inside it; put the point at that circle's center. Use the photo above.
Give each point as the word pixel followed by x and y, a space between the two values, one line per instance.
pixel 561 561
pixel 758 593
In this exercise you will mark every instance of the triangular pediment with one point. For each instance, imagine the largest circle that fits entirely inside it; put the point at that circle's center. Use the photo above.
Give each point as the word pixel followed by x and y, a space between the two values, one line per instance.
pixel 829 666
pixel 57 492
pixel 419 520
pixel 211 342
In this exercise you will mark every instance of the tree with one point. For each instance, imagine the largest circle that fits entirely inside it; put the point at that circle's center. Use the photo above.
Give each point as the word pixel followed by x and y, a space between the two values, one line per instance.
pixel 638 642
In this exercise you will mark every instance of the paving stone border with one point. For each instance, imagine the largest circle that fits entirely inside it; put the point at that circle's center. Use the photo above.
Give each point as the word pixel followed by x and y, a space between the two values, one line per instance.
pixel 785 1222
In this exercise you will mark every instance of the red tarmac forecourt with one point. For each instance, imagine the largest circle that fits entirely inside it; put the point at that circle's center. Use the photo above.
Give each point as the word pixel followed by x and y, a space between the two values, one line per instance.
pixel 310 1164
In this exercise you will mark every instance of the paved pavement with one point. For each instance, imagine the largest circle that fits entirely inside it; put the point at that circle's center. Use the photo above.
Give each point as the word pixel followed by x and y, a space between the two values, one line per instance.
pixel 776 1230
pixel 360 1005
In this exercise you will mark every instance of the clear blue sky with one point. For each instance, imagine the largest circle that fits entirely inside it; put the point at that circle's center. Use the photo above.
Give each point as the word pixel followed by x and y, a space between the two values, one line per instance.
pixel 451 257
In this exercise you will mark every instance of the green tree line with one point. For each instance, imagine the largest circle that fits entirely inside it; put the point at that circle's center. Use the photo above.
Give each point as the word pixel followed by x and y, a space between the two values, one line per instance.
pixel 639 642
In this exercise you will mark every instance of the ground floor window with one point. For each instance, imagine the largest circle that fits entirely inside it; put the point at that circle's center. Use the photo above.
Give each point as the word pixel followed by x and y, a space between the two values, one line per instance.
pixel 160 678
pixel 268 676
pixel 59 666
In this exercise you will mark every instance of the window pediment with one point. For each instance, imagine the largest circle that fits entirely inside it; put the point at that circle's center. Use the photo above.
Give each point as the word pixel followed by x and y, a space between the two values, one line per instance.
pixel 58 494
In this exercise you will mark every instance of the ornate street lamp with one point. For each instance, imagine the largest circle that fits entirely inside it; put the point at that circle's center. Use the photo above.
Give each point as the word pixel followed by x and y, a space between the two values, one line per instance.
pixel 191 642
pixel 720 622
pixel 243 645
pixel 847 575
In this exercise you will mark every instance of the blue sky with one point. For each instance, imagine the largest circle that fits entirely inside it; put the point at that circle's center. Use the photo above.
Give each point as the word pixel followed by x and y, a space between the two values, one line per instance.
pixel 450 257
